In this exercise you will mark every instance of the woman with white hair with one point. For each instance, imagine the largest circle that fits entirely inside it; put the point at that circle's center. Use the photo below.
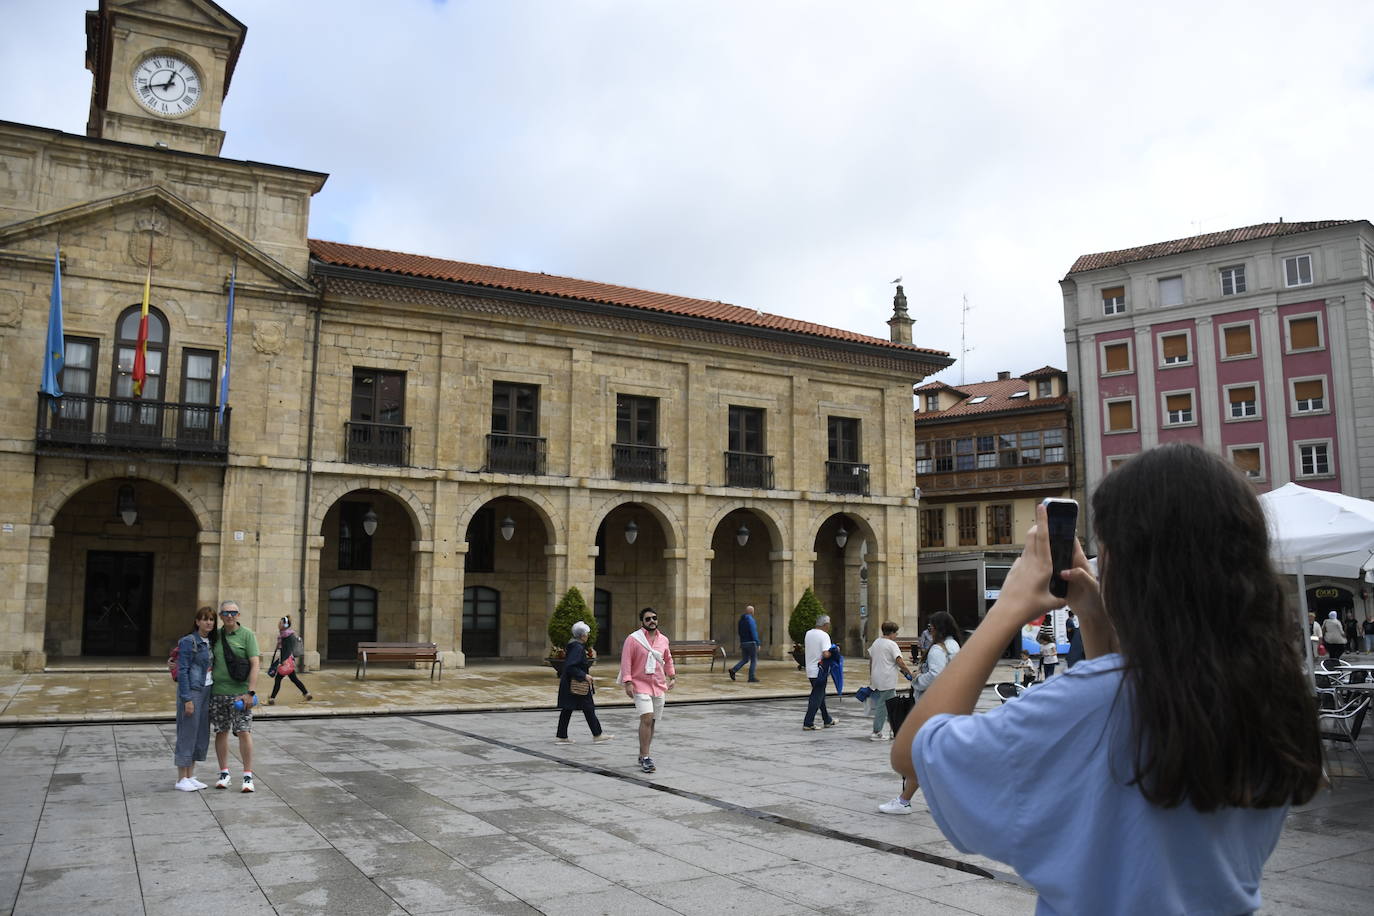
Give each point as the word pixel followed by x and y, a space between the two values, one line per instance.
pixel 1333 635
pixel 575 686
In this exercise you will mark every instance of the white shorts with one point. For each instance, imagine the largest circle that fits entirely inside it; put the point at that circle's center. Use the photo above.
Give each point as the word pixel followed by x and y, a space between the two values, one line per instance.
pixel 646 704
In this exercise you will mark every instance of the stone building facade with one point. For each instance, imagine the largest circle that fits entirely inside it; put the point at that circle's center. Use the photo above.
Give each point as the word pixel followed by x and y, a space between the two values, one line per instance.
pixel 411 447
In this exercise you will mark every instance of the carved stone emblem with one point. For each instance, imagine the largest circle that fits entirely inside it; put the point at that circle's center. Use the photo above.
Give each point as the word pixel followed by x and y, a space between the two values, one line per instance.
pixel 268 337
pixel 151 223
pixel 9 309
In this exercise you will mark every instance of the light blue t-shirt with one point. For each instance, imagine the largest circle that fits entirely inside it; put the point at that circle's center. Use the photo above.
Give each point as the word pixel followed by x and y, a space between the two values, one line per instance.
pixel 1041 783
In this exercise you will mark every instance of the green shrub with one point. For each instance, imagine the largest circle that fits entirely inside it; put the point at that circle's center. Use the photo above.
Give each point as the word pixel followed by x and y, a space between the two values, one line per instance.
pixel 804 616
pixel 571 608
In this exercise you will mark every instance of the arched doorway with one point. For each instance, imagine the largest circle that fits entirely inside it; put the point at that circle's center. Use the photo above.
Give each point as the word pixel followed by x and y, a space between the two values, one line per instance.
pixel 118 582
pixel 742 574
pixel 507 596
pixel 367 573
pixel 631 570
pixel 841 580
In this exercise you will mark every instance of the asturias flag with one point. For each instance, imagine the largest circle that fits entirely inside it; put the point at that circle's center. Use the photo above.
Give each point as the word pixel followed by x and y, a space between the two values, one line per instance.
pixel 56 354
pixel 141 351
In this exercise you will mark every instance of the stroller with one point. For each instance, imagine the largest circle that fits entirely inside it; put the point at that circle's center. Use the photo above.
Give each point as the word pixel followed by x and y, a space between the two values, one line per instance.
pixel 1008 691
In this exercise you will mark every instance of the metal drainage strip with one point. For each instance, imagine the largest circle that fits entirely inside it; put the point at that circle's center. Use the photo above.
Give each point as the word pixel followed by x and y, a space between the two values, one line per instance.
pixel 755 813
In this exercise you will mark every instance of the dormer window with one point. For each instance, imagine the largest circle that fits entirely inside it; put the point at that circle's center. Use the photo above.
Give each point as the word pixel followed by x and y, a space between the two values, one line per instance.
pixel 932 402
pixel 1044 388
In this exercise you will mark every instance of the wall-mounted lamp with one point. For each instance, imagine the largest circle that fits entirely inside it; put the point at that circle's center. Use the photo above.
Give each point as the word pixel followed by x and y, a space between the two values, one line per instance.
pixel 631 532
pixel 742 535
pixel 841 538
pixel 126 505
pixel 507 528
pixel 369 522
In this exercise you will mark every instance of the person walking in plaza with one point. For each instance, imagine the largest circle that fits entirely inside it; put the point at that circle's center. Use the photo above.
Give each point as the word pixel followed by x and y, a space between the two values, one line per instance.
pixel 287 658
pixel 817 646
pixel 1156 820
pixel 576 688
pixel 748 645
pixel 1049 652
pixel 234 692
pixel 884 660
pixel 1369 635
pixel 943 648
pixel 193 699
pixel 646 670
pixel 1333 636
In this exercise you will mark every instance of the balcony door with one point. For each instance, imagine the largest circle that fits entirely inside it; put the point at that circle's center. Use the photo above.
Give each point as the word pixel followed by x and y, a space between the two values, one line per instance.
pixel 377 432
pixel 137 418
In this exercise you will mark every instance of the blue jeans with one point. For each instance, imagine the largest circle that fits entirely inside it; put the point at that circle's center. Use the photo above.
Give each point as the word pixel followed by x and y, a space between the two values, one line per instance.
pixel 748 652
pixel 816 702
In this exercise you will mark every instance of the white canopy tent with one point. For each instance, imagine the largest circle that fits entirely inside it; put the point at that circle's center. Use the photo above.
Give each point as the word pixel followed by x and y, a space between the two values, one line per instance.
pixel 1313 532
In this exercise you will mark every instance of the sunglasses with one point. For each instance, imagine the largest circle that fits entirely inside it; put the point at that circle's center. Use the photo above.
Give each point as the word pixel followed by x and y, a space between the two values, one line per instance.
pixel 647 619
pixel 228 613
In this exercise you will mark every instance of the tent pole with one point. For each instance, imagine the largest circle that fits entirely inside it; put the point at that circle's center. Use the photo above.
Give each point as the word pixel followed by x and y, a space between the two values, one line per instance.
pixel 1304 627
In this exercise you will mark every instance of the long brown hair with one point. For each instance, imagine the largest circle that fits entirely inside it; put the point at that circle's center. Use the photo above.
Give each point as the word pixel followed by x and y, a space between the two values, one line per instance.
pixel 204 613
pixel 1186 572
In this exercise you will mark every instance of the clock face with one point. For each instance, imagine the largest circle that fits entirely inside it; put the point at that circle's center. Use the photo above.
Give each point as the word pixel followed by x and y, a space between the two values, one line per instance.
pixel 166 85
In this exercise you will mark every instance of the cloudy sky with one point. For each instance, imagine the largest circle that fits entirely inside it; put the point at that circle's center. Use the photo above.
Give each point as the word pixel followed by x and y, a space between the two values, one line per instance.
pixel 789 156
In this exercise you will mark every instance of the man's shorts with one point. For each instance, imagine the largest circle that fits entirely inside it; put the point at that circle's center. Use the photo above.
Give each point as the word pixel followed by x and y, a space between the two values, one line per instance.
pixel 225 718
pixel 645 704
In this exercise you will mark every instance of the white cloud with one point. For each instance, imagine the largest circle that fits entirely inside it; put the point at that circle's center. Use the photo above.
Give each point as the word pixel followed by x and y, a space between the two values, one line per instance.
pixel 787 156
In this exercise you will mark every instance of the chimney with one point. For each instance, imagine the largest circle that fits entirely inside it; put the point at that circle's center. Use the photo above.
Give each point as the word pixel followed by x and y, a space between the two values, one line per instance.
pixel 899 325
pixel 1003 376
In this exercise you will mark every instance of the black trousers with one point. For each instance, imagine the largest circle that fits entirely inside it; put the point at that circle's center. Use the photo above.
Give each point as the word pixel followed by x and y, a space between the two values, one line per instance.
pixel 565 716
pixel 295 680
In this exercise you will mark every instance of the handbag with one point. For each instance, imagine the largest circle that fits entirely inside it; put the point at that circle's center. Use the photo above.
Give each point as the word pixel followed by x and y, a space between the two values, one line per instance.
pixel 898 707
pixel 239 667
pixel 579 688
pixel 287 666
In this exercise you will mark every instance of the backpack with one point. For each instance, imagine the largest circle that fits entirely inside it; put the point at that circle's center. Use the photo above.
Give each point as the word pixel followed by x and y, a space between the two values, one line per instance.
pixel 172 660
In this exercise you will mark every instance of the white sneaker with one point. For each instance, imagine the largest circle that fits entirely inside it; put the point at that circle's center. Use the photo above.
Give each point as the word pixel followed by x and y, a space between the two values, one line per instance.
pixel 876 736
pixel 896 806
pixel 197 783
pixel 223 781
pixel 247 784
pixel 185 785
pixel 564 741
pixel 602 738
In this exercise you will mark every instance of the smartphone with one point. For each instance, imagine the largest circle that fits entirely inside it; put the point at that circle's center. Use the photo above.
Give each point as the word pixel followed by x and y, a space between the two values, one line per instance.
pixel 1062 518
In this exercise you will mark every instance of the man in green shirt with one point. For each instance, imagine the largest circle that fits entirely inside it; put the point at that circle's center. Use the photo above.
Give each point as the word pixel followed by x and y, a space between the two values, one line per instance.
pixel 225 716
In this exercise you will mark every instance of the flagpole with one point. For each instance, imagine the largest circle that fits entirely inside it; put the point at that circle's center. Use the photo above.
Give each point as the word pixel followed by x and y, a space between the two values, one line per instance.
pixel 140 370
pixel 228 344
pixel 55 355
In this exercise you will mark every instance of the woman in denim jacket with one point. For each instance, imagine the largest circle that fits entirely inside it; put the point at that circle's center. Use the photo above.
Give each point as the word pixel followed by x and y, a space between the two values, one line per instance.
pixel 193 700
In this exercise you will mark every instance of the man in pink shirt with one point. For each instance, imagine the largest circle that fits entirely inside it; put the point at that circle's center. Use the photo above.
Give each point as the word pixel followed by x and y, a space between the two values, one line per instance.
pixel 646 670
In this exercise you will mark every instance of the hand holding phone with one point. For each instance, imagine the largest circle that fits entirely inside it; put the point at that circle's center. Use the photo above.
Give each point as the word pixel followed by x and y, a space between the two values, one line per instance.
pixel 1062 521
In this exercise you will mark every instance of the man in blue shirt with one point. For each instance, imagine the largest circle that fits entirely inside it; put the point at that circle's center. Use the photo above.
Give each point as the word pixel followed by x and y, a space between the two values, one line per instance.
pixel 748 645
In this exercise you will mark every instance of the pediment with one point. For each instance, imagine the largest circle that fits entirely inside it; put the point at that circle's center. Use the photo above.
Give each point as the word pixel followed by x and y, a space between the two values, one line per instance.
pixel 110 238
pixel 196 13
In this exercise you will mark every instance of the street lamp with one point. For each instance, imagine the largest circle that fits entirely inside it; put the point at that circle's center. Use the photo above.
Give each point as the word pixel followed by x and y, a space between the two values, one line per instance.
pixel 631 532
pixel 507 528
pixel 742 535
pixel 841 538
pixel 126 505
pixel 369 522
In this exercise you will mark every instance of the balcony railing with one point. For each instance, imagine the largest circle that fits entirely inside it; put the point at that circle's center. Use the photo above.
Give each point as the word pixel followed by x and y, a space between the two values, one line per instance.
pixel 846 477
pixel 515 454
pixel 641 463
pixel 85 424
pixel 745 469
pixel 377 443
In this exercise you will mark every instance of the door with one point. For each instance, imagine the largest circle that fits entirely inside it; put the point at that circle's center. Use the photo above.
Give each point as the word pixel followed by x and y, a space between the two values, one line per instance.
pixel 119 603
pixel 481 622
pixel 352 619
pixel 601 601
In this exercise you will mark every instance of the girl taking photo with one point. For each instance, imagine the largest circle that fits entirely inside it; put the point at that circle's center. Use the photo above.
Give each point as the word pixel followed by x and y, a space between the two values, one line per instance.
pixel 1182 773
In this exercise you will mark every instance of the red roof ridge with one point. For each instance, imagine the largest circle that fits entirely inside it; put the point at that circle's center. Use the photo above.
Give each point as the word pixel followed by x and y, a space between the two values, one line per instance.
pixel 1120 256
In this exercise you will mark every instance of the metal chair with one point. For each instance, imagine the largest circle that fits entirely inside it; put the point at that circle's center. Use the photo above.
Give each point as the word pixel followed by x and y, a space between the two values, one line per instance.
pixel 1342 723
pixel 1008 691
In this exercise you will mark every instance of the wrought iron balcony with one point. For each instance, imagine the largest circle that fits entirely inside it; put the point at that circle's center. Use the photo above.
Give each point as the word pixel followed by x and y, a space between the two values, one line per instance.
pixel 85 425
pixel 745 469
pixel 846 477
pixel 377 443
pixel 516 454
pixel 641 463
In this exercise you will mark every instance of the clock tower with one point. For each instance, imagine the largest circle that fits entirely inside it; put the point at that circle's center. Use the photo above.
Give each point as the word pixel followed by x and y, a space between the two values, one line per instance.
pixel 161 70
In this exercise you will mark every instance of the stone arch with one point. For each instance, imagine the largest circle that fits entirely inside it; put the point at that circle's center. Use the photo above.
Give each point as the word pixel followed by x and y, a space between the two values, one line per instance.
pixel 766 512
pixel 555 525
pixel 666 515
pixel 338 488
pixel 46 511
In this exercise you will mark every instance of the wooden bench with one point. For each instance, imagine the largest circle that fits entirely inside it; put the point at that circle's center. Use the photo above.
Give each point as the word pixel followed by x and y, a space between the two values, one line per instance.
pixel 399 652
pixel 699 648
pixel 905 643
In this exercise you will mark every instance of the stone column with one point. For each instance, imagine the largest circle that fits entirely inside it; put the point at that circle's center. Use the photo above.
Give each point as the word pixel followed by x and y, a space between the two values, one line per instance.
pixel 421 619
pixel 30 654
pixel 317 631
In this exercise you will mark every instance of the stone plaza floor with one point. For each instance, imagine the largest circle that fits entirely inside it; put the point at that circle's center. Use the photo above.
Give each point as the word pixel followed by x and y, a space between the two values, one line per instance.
pixel 480 812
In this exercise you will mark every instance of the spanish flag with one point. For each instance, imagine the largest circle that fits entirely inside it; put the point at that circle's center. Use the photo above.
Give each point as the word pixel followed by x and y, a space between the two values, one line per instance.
pixel 141 351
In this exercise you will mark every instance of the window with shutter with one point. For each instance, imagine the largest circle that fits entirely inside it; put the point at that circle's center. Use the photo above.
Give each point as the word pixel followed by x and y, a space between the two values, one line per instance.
pixel 1247 460
pixel 1178 408
pixel 1117 357
pixel 1236 341
pixel 1242 402
pixel 1303 333
pixel 1120 416
pixel 1174 348
pixel 1309 395
pixel 1114 300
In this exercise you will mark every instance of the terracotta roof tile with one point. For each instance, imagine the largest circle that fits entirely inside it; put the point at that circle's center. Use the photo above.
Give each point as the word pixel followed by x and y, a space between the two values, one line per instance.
pixel 1042 372
pixel 931 387
pixel 999 399
pixel 1198 243
pixel 415 265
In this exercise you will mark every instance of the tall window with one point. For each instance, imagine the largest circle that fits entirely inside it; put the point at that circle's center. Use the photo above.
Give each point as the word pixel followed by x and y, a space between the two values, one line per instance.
pixel 378 396
pixel 355 544
pixel 77 379
pixel 1297 271
pixel 746 430
pixel 932 402
pixel 1054 446
pixel 966 518
pixel 1171 291
pixel 126 345
pixel 1236 341
pixel 1233 280
pixel 636 420
pixel 515 409
pixel 844 438
pixel 1114 300
pixel 1029 445
pixel 198 388
pixel 933 527
pixel 999 524
pixel 481 555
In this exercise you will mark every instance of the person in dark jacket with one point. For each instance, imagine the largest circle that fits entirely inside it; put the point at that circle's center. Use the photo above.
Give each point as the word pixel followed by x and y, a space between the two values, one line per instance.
pixel 576 668
pixel 288 646
pixel 748 645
